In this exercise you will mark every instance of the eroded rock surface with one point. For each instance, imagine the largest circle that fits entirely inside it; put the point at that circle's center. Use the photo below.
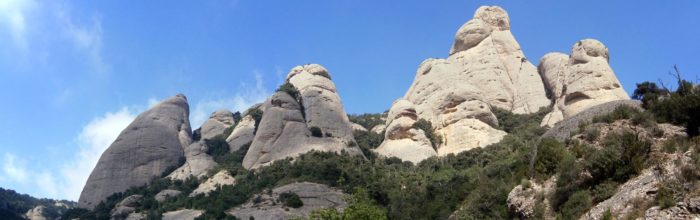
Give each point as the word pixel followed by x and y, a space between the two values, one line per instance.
pixel 401 139
pixel 267 206
pixel 37 213
pixel 125 207
pixel 197 162
pixel 184 214
pixel 150 145
pixel 579 81
pixel 222 178
pixel 242 134
pixel 217 123
pixel 284 130
pixel 166 193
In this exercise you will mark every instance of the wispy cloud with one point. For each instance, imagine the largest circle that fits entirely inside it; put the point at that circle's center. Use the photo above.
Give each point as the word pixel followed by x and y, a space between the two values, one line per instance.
pixel 70 178
pixel 246 96
pixel 87 38
pixel 14 170
pixel 13 16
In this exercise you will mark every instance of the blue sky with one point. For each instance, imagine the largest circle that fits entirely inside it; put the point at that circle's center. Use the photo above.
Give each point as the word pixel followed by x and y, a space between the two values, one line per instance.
pixel 74 73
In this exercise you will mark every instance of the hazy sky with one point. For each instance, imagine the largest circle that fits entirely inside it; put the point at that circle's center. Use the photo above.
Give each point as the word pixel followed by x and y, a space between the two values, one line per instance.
pixel 74 73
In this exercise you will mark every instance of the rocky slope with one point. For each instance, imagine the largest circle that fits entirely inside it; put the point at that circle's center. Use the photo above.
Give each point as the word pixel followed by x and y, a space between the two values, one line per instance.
pixel 150 145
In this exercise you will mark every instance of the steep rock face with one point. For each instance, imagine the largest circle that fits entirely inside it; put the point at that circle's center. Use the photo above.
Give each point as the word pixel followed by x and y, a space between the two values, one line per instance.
pixel 166 193
pixel 313 196
pixel 579 81
pixel 37 213
pixel 125 207
pixel 486 68
pixel 150 145
pixel 242 134
pixel 570 125
pixel 284 130
pixel 322 106
pixel 487 56
pixel 217 123
pixel 197 162
pixel 401 139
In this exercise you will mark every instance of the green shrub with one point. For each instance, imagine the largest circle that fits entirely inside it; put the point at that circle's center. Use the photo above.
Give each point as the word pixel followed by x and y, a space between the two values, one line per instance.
pixel 217 147
pixel 367 121
pixel 607 215
pixel 576 205
pixel 591 134
pixel 679 107
pixel 621 112
pixel 666 196
pixel 316 131
pixel 291 90
pixel 257 115
pixel 227 132
pixel 427 127
pixel 549 154
pixel 603 191
pixel 368 140
pixel 290 199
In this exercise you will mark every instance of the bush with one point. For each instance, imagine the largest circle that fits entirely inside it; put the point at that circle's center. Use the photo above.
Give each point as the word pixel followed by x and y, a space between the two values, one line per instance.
pixel 368 140
pixel 679 107
pixel 256 114
pixel 217 147
pixel 429 131
pixel 577 205
pixel 591 134
pixel 621 112
pixel 367 121
pixel 290 199
pixel 666 196
pixel 603 191
pixel 549 154
pixel 315 131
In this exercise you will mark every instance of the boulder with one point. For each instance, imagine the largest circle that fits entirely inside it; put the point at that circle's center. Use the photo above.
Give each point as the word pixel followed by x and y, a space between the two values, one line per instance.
pixel 166 193
pixel 150 145
pixel 357 127
pixel 523 198
pixel 401 139
pixel 217 123
pixel 222 178
pixel 197 162
pixel 125 207
pixel 242 134
pixel 579 81
pixel 266 206
pixel 184 214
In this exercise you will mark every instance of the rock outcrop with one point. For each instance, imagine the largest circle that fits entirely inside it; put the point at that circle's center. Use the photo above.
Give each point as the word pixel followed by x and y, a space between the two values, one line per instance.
pixel 357 127
pixel 149 146
pixel 266 206
pixel 184 214
pixel 687 209
pixel 401 139
pixel 217 123
pixel 37 213
pixel 564 129
pixel 197 162
pixel 242 134
pixel 579 81
pixel 165 194
pixel 486 68
pixel 222 178
pixel 285 128
pixel 125 207
pixel 523 199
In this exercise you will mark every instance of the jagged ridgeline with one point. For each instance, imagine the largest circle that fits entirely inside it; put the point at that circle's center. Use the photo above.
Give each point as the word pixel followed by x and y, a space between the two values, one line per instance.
pixel 481 134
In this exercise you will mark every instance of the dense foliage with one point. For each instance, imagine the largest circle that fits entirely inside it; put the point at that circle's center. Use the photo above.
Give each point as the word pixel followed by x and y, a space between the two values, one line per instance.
pixel 290 199
pixel 367 120
pixel 679 107
pixel 427 127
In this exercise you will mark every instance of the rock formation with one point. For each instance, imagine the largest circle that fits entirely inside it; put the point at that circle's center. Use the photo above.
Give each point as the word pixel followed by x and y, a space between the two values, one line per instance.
pixel 579 81
pixel 37 213
pixel 217 123
pixel 182 214
pixel 150 145
pixel 220 179
pixel 313 196
pixel 486 68
pixel 197 162
pixel 125 207
pixel 357 127
pixel 165 194
pixel 401 139
pixel 242 134
pixel 284 130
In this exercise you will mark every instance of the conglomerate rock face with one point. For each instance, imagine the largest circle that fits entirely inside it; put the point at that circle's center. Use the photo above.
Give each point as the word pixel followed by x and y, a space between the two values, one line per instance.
pixel 217 123
pixel 286 126
pixel 579 81
pixel 401 139
pixel 197 162
pixel 149 146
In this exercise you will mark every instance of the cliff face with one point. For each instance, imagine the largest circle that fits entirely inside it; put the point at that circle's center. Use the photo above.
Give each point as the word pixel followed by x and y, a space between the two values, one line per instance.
pixel 150 145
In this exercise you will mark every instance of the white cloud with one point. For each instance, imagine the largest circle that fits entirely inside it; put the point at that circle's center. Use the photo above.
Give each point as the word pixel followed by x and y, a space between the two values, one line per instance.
pixel 246 96
pixel 14 171
pixel 92 141
pixel 13 14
